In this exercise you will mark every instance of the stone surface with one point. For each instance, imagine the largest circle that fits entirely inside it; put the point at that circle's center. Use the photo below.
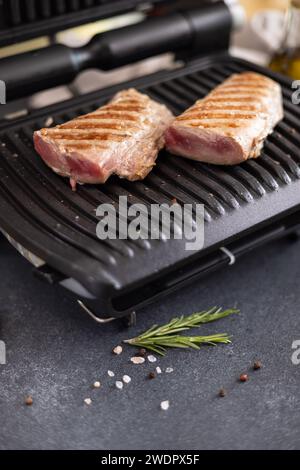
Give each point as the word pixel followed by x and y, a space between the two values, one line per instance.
pixel 55 352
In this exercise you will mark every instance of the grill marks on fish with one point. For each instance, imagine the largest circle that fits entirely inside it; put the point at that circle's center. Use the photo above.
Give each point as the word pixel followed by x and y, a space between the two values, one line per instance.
pixel 68 138
pixel 219 106
pixel 125 107
pixel 92 123
pixel 231 123
pixel 213 115
pixel 101 115
pixel 80 145
pixel 233 92
pixel 217 125
pixel 95 126
pixel 216 119
pixel 110 123
pixel 242 98
pixel 123 138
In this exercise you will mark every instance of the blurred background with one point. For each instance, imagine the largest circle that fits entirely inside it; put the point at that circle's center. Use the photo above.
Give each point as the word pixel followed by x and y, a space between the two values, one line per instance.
pixel 252 6
pixel 268 37
pixel 263 30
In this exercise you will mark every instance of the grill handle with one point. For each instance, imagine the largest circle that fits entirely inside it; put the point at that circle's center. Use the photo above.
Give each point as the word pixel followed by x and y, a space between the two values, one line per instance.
pixel 196 31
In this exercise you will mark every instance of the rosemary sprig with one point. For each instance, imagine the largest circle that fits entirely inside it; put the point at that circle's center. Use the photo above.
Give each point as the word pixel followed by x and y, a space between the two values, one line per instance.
pixel 158 338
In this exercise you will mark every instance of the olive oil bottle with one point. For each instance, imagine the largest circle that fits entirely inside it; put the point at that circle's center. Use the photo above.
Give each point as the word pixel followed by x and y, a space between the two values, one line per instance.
pixel 287 60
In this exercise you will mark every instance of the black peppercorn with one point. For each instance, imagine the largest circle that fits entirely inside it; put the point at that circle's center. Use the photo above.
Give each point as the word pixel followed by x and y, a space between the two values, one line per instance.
pixel 257 365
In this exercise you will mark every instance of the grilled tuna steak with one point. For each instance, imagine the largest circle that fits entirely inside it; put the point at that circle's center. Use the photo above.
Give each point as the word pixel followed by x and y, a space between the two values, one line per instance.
pixel 231 123
pixel 122 138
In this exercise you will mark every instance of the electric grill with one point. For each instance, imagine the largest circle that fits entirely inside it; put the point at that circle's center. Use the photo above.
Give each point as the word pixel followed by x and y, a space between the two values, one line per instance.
pixel 245 206
pixel 26 19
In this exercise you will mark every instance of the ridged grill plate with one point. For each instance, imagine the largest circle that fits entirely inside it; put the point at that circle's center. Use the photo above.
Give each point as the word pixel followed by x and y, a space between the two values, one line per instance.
pixel 39 210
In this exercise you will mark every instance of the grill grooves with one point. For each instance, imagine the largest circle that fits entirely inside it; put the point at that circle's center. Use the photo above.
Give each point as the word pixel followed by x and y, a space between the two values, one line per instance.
pixel 66 221
pixel 51 207
pixel 18 12
pixel 24 19
pixel 200 176
pixel 84 207
pixel 262 174
pixel 198 194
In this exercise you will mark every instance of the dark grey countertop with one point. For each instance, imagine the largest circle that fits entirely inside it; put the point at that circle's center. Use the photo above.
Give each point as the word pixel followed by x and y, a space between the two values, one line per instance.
pixel 55 353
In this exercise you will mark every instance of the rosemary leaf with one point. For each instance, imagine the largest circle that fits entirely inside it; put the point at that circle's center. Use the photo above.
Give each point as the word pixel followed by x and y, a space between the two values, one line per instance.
pixel 158 338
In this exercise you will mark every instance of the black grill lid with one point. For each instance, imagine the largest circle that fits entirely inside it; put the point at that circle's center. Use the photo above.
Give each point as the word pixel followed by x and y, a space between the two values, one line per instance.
pixel 38 209
pixel 25 19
